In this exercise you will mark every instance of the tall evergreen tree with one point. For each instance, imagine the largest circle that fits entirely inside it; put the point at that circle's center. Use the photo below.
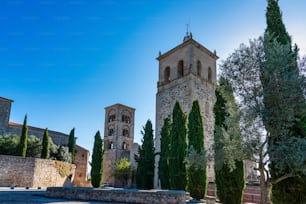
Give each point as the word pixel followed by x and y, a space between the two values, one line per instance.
pixel 71 144
pixel 163 164
pixel 197 177
pixel 284 102
pixel 97 161
pixel 178 149
pixel 229 173
pixel 22 147
pixel 45 152
pixel 145 169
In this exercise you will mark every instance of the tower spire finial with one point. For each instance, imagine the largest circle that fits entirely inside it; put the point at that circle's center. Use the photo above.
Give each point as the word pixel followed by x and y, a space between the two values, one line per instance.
pixel 188 33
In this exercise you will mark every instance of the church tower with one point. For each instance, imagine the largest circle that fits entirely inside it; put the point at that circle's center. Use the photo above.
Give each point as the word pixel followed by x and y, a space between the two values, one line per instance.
pixel 118 138
pixel 186 73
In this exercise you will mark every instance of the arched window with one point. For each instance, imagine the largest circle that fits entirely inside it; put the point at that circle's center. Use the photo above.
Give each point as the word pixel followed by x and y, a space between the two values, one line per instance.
pixel 125 132
pixel 199 68
pixel 111 145
pixel 180 69
pixel 124 146
pixel 110 131
pixel 209 75
pixel 111 115
pixel 126 119
pixel 167 74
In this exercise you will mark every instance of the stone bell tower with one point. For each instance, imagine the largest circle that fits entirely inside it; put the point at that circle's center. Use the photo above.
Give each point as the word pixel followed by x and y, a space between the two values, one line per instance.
pixel 186 73
pixel 118 138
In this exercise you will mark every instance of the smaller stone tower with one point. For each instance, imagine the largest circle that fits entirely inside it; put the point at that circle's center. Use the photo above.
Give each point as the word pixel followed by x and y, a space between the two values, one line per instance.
pixel 5 111
pixel 118 138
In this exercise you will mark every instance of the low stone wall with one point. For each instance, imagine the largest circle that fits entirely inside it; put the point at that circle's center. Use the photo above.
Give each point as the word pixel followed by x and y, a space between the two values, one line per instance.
pixel 33 172
pixel 118 195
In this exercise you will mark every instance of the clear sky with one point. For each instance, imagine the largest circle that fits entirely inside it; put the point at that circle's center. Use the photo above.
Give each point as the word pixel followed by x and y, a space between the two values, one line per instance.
pixel 64 61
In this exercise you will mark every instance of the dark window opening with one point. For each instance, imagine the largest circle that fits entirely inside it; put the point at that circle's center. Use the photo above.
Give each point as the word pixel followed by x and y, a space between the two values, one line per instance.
pixel 167 74
pixel 126 119
pixel 111 118
pixel 199 68
pixel 209 75
pixel 180 69
pixel 124 146
pixel 125 132
pixel 110 131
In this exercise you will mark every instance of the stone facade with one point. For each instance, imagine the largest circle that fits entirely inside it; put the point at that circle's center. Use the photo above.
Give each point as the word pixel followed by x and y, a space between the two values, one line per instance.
pixel 11 128
pixel 118 195
pixel 33 172
pixel 118 139
pixel 186 73
pixel 81 160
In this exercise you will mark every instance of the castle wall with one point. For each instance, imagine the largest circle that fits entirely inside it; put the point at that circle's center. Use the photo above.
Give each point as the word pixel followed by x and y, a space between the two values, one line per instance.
pixel 33 172
pixel 57 137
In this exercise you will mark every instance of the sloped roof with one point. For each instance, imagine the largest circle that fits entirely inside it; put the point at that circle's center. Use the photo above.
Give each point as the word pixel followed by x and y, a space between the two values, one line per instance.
pixel 186 42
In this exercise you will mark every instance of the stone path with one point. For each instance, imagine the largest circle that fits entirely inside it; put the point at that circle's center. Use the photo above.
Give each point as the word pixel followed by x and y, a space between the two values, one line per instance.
pixel 34 196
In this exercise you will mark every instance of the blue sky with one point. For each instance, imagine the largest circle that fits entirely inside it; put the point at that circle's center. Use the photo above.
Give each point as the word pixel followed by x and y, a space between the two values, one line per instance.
pixel 62 62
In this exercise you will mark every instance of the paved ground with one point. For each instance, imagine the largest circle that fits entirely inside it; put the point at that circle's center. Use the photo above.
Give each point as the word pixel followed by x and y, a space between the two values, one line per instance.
pixel 34 196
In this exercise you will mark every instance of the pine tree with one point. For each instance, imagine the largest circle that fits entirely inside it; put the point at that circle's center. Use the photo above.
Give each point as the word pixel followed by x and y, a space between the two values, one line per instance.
pixel 197 177
pixel 144 175
pixel 284 102
pixel 97 162
pixel 229 173
pixel 71 145
pixel 22 147
pixel 145 169
pixel 178 149
pixel 45 153
pixel 163 165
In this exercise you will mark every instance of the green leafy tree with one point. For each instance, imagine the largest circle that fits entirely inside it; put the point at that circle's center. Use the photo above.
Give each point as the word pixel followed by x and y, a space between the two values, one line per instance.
pixel 145 169
pixel 229 166
pixel 22 147
pixel 97 161
pixel 178 149
pixel 163 164
pixel 197 177
pixel 45 152
pixel 284 102
pixel 123 168
pixel 9 144
pixel 71 144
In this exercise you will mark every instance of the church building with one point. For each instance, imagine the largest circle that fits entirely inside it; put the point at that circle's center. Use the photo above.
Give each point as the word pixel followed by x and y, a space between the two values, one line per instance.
pixel 186 73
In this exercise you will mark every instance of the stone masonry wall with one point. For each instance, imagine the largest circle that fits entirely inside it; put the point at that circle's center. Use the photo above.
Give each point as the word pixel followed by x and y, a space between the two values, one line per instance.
pixel 57 137
pixel 33 172
pixel 5 109
pixel 119 195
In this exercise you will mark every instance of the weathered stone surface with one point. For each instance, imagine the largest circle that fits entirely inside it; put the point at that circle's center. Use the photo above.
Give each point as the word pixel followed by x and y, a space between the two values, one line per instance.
pixel 32 172
pixel 118 140
pixel 195 81
pixel 118 195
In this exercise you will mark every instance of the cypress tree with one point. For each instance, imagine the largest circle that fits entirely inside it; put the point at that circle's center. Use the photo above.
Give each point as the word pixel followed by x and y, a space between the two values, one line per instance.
pixel 145 169
pixel 97 162
pixel 178 149
pixel 71 145
pixel 284 102
pixel 163 165
pixel 45 153
pixel 197 177
pixel 229 180
pixel 22 147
